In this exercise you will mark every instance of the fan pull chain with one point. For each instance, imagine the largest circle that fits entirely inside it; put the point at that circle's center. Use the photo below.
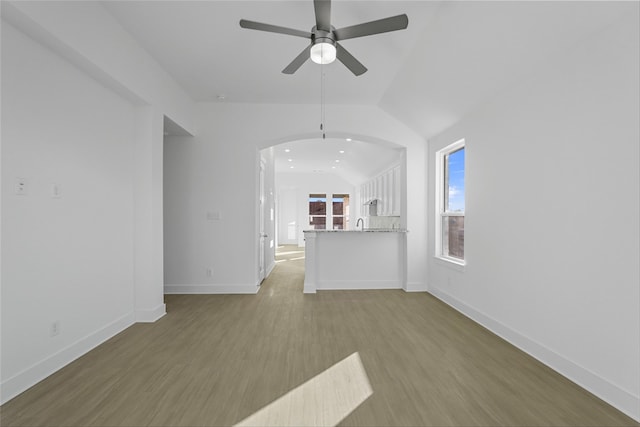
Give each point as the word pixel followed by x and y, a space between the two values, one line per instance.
pixel 322 107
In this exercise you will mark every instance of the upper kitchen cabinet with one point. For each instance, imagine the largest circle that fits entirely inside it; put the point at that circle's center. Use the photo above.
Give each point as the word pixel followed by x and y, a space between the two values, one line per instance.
pixel 384 191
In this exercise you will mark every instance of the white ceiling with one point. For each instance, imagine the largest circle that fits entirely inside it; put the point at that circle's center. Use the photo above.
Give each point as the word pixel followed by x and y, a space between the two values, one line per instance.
pixel 475 49
pixel 354 161
pixel 201 44
pixel 453 56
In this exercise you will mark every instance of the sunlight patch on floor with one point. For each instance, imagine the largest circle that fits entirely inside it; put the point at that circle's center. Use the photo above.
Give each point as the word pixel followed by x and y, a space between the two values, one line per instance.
pixel 290 259
pixel 324 400
pixel 289 253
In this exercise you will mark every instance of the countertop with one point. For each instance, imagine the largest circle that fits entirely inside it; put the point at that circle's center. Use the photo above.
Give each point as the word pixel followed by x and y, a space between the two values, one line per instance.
pixel 366 230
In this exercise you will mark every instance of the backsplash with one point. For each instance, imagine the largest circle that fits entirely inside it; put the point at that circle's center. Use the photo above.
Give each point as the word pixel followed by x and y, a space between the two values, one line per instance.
pixel 383 222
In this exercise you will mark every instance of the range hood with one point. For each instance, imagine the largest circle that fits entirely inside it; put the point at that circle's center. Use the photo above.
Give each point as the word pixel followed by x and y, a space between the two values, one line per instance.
pixel 372 207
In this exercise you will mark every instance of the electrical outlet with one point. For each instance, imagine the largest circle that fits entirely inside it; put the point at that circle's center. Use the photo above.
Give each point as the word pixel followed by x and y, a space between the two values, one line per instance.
pixel 55 328
pixel 209 272
pixel 21 187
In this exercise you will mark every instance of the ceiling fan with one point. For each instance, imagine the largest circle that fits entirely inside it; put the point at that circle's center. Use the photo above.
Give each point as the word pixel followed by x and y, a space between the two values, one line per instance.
pixel 324 47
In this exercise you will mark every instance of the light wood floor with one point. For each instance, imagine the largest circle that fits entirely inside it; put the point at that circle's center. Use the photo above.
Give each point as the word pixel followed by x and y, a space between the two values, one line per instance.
pixel 217 359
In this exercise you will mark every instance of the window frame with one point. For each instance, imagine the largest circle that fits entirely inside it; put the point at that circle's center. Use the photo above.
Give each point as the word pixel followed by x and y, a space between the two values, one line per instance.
pixel 329 214
pixel 345 213
pixel 326 215
pixel 440 194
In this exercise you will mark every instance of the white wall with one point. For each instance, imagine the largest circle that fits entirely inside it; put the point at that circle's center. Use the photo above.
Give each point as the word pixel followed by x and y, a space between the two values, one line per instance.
pixel 298 186
pixel 67 259
pixel 289 225
pixel 551 230
pixel 85 113
pixel 90 37
pixel 216 171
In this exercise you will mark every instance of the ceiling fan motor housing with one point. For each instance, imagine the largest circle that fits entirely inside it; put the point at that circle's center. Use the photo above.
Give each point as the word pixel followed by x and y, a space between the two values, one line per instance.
pixel 321 36
pixel 323 49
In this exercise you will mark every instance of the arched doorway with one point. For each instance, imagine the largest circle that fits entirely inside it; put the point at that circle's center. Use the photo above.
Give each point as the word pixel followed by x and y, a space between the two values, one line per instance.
pixel 335 174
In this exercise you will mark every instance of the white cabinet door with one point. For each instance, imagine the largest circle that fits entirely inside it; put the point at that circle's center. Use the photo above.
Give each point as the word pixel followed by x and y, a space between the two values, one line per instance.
pixel 386 189
pixel 382 197
pixel 396 191
pixel 389 190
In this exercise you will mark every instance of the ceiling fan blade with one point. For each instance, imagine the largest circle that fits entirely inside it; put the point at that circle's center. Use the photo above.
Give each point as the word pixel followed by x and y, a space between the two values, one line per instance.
pixel 323 14
pixel 399 22
pixel 349 61
pixel 252 25
pixel 298 61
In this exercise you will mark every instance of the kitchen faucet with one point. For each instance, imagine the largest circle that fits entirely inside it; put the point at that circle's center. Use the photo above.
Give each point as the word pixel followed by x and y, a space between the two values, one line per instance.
pixel 358 222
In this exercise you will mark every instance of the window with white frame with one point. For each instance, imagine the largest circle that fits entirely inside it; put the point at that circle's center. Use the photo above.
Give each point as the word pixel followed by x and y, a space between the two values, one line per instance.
pixel 329 210
pixel 450 169
pixel 340 211
pixel 318 211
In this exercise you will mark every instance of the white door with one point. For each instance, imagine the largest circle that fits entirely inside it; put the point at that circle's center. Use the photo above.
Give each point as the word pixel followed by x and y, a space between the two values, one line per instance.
pixel 262 235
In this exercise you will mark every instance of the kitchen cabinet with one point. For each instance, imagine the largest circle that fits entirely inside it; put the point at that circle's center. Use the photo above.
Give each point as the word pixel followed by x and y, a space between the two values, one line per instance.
pixel 386 189
pixel 396 192
pixel 349 259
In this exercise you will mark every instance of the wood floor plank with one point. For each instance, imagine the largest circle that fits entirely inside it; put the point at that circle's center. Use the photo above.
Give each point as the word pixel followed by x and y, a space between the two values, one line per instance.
pixel 216 359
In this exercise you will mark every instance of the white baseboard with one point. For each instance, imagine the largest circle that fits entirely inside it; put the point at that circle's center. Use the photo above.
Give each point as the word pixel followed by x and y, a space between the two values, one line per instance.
pixel 270 268
pixel 211 289
pixel 415 287
pixel 331 285
pixel 617 397
pixel 41 370
pixel 150 316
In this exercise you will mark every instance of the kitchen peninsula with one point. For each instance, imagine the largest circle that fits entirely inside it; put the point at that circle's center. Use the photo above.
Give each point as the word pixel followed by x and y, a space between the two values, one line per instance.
pixel 355 259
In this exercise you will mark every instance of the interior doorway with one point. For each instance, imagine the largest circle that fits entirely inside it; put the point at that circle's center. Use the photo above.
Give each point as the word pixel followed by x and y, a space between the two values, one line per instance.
pixel 262 235
pixel 319 184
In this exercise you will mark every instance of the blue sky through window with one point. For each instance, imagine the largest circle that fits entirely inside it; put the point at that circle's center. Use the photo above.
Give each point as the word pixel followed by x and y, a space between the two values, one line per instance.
pixel 456 181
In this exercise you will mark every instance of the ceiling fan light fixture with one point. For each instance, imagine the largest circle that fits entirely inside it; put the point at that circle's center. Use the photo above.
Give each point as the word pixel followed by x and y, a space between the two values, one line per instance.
pixel 323 53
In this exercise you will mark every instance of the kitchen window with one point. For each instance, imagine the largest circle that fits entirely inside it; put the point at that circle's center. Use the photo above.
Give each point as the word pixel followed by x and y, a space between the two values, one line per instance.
pixel 329 209
pixel 340 211
pixel 450 202
pixel 318 211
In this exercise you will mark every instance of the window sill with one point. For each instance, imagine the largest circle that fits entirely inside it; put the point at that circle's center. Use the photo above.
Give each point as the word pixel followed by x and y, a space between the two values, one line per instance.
pixel 451 262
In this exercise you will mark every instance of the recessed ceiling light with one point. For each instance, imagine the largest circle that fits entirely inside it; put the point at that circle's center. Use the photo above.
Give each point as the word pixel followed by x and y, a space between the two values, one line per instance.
pixel 337 161
pixel 341 151
pixel 290 160
pixel 333 167
pixel 286 150
pixel 290 167
pixel 349 139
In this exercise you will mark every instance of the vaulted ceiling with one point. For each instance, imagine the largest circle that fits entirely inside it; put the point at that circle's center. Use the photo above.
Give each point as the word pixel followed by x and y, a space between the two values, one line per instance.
pixel 454 55
pixel 202 45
